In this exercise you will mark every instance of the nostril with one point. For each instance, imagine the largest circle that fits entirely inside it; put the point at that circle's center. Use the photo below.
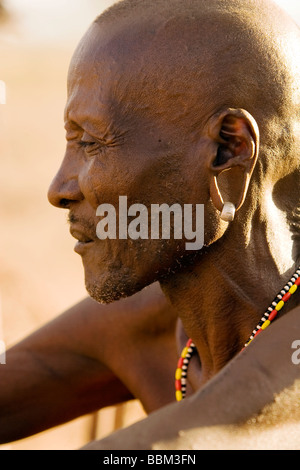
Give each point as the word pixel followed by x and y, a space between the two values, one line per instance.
pixel 64 203
pixel 61 193
pixel 64 188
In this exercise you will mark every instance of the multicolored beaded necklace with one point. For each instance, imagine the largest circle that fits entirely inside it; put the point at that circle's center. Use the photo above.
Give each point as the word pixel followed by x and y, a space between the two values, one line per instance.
pixel 269 315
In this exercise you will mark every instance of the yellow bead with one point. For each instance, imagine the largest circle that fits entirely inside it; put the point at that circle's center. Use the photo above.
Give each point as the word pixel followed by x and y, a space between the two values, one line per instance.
pixel 279 305
pixel 178 395
pixel 265 325
pixel 184 352
pixel 293 289
pixel 178 374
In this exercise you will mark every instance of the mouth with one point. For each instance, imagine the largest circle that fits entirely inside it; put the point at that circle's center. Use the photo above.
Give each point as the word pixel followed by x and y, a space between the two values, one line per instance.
pixel 83 239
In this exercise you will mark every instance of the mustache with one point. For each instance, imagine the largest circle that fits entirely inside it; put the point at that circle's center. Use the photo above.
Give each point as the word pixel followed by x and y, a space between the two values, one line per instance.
pixel 88 224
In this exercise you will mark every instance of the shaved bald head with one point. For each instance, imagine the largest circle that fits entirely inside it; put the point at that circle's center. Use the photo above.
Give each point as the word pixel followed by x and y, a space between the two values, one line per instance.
pixel 188 102
pixel 245 52
pixel 228 53
pixel 183 102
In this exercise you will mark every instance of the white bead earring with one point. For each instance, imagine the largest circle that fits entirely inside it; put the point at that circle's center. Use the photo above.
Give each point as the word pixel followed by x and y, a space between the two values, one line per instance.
pixel 228 212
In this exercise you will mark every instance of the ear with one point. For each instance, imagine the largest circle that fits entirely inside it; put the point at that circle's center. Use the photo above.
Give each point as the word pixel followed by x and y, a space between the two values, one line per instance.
pixel 235 137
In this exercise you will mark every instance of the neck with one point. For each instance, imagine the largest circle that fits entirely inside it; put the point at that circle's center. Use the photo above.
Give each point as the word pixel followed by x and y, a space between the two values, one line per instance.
pixel 221 298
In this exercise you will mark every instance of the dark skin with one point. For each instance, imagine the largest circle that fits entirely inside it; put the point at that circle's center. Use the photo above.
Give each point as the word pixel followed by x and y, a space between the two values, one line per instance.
pixel 214 142
pixel 57 350
pixel 153 154
pixel 249 405
pixel 87 368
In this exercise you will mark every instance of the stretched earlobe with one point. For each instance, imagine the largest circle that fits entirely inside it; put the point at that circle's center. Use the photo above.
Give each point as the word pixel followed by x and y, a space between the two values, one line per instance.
pixel 235 136
pixel 216 195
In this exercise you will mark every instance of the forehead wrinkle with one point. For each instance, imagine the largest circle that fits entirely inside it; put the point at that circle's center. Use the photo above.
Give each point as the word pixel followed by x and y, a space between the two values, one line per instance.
pixel 133 55
pixel 93 79
pixel 106 59
pixel 115 64
pixel 86 109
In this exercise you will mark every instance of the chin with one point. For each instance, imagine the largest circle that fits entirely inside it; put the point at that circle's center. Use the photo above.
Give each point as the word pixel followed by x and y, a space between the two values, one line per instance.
pixel 112 287
pixel 118 281
pixel 121 274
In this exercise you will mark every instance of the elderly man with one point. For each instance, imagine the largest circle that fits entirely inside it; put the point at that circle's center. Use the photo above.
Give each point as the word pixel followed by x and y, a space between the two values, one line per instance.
pixel 187 103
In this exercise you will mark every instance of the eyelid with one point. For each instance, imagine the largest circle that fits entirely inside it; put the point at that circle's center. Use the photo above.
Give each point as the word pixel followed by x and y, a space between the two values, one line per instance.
pixel 89 143
pixel 71 134
pixel 72 130
pixel 87 138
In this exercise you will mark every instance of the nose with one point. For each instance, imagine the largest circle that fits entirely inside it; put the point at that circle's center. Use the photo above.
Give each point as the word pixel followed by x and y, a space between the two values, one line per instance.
pixel 64 187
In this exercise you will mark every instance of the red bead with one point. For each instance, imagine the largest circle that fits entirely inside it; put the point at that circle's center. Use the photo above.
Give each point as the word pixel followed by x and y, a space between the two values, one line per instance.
pixel 286 297
pixel 189 343
pixel 177 384
pixel 272 315
pixel 180 363
pixel 258 331
pixel 297 282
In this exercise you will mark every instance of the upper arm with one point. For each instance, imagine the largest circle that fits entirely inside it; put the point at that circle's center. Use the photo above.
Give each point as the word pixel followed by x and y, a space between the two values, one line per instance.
pixel 55 375
pixel 75 364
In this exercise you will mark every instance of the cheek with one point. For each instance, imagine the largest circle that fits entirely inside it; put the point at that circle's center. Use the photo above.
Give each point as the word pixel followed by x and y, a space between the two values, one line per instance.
pixel 101 182
pixel 144 177
pixel 89 185
pixel 105 182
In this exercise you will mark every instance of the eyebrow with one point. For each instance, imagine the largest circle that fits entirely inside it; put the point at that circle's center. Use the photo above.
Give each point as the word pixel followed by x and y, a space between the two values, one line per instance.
pixel 86 122
pixel 97 120
pixel 104 130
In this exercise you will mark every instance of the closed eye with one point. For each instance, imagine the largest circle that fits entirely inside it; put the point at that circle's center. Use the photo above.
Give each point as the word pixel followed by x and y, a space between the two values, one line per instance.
pixel 84 144
pixel 91 148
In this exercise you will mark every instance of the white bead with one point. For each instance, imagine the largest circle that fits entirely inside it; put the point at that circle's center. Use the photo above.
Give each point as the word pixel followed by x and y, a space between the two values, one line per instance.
pixel 228 212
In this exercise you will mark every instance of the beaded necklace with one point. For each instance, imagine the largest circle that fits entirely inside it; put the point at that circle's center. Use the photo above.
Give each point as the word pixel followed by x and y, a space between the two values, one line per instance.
pixel 270 314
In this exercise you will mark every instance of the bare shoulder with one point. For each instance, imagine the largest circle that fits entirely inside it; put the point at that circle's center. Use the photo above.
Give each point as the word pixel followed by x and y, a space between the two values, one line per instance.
pixel 133 338
pixel 92 329
pixel 250 404
pixel 96 356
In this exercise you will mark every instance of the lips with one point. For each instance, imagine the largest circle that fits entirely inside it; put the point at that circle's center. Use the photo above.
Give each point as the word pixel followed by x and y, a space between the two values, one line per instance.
pixel 81 235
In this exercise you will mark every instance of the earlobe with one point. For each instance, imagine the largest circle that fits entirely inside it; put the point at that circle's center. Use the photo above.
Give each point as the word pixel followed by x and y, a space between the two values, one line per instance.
pixel 217 198
pixel 236 142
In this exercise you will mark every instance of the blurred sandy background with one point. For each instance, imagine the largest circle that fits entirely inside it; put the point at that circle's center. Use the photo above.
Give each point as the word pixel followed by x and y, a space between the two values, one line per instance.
pixel 40 275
